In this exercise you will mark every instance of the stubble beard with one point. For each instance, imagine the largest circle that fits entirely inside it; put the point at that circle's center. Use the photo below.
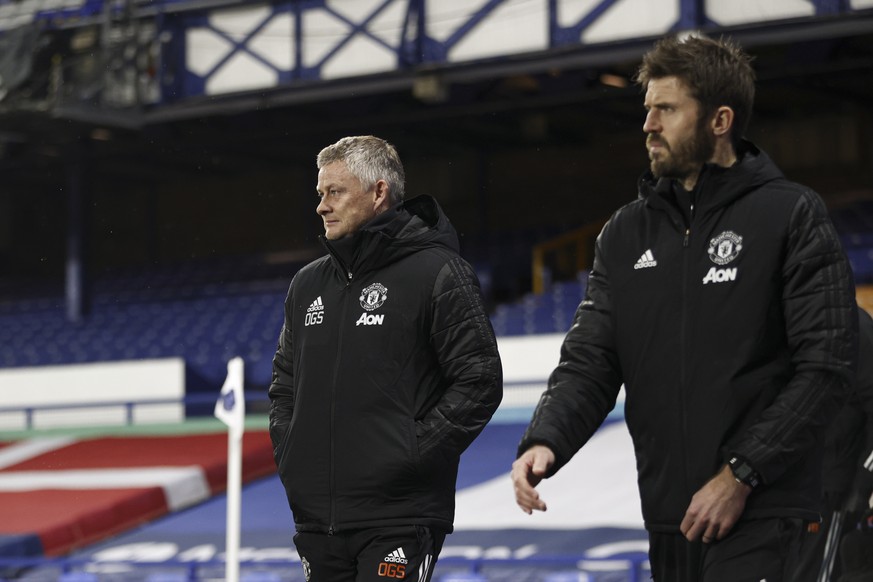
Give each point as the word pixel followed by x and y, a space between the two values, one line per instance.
pixel 688 156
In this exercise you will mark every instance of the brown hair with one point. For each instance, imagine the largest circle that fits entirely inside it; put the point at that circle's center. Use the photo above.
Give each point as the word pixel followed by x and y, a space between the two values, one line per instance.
pixel 716 72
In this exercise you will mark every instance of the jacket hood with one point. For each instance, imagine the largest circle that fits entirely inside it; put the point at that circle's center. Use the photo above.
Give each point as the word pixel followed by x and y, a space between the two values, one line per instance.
pixel 717 185
pixel 409 227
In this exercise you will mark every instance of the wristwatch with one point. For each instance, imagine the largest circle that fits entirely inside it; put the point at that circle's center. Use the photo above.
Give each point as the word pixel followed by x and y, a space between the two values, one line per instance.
pixel 743 472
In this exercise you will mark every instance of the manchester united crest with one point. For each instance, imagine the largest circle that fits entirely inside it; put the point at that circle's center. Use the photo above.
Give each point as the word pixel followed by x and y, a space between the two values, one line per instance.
pixel 373 296
pixel 725 247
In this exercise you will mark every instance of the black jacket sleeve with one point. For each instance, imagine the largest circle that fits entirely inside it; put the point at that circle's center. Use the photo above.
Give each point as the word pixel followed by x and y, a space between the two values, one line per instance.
pixel 583 388
pixel 821 327
pixel 848 440
pixel 466 350
pixel 863 485
pixel 281 389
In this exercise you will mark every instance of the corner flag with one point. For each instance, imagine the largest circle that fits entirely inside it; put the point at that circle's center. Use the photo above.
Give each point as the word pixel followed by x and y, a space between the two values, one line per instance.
pixel 231 405
pixel 230 408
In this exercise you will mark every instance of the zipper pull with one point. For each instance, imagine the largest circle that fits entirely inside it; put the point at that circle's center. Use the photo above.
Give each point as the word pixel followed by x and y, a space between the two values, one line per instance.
pixel 687 234
pixel 330 531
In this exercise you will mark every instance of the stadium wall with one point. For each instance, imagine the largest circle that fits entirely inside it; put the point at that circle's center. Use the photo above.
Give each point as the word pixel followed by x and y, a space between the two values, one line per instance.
pixel 93 394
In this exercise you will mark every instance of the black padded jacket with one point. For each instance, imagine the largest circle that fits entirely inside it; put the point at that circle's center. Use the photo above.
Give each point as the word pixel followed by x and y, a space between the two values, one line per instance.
pixel 847 475
pixel 733 330
pixel 386 370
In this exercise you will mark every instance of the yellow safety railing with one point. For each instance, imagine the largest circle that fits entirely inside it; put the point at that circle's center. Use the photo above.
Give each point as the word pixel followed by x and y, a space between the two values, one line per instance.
pixel 564 256
pixel 864 296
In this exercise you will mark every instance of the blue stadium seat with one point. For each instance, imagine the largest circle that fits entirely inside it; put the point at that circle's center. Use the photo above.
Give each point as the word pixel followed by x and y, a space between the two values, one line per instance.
pixel 569 576
pixel 463 577
pixel 204 314
pixel 167 577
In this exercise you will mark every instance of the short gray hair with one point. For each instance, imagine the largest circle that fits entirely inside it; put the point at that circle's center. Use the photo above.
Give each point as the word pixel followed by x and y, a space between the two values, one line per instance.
pixel 369 159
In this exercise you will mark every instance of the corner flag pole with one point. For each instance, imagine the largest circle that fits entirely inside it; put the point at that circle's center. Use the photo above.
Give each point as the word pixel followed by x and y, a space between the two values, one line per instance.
pixel 230 409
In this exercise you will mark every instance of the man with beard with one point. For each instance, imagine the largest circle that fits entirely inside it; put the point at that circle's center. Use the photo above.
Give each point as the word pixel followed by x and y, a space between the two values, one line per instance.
pixel 722 300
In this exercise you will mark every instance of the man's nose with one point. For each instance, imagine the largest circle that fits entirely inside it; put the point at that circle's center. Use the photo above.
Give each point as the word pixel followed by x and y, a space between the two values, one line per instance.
pixel 322 207
pixel 650 125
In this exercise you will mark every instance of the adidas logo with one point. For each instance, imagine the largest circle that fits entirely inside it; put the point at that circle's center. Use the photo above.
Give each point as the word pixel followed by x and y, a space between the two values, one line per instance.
pixel 396 557
pixel 314 313
pixel 646 261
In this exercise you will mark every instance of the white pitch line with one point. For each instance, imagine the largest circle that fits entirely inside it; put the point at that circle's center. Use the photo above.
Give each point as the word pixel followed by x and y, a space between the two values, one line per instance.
pixel 183 486
pixel 27 449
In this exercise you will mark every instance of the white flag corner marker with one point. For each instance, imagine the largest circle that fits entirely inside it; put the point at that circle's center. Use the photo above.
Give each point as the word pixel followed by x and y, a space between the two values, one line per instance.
pixel 230 408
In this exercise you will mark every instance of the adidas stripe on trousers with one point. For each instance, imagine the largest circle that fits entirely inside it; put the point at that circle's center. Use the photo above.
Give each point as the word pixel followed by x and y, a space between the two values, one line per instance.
pixel 383 554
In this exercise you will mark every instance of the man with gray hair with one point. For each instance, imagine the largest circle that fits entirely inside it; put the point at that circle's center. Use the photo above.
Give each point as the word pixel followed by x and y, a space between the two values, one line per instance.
pixel 386 370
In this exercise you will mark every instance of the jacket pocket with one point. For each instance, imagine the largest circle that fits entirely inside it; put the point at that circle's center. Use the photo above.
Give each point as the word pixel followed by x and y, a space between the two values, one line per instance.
pixel 413 446
pixel 284 452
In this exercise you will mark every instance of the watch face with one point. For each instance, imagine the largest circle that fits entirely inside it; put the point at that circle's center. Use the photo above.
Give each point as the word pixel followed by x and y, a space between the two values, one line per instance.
pixel 743 472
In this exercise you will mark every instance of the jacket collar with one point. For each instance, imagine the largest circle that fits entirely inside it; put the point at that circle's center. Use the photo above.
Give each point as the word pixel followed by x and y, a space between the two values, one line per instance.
pixel 717 186
pixel 408 227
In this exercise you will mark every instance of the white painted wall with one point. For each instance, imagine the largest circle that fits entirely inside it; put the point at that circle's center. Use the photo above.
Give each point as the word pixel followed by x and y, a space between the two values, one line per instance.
pixel 527 363
pixel 528 360
pixel 133 381
pixel 748 11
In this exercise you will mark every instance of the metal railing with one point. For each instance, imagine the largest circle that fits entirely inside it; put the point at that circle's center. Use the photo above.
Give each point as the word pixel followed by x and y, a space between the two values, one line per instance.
pixel 129 406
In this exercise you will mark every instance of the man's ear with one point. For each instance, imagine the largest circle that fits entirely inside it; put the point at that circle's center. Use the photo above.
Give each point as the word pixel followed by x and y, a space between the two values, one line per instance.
pixel 722 121
pixel 381 195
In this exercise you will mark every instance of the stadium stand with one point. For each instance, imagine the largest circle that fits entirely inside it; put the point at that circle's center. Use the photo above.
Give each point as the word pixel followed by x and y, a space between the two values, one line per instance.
pixel 854 222
pixel 206 311
pixel 206 323
pixel 209 311
pixel 550 312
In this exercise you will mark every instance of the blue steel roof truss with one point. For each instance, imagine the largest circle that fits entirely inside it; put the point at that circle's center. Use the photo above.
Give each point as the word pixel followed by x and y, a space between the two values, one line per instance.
pixel 414 48
pixel 411 52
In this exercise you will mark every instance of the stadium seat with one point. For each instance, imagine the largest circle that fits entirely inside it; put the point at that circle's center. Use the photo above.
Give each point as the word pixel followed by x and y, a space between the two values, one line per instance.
pixel 463 577
pixel 167 577
pixel 570 576
pixel 78 577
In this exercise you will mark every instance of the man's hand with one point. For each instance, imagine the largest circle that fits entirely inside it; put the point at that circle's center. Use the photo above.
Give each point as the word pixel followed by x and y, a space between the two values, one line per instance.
pixel 527 471
pixel 715 508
